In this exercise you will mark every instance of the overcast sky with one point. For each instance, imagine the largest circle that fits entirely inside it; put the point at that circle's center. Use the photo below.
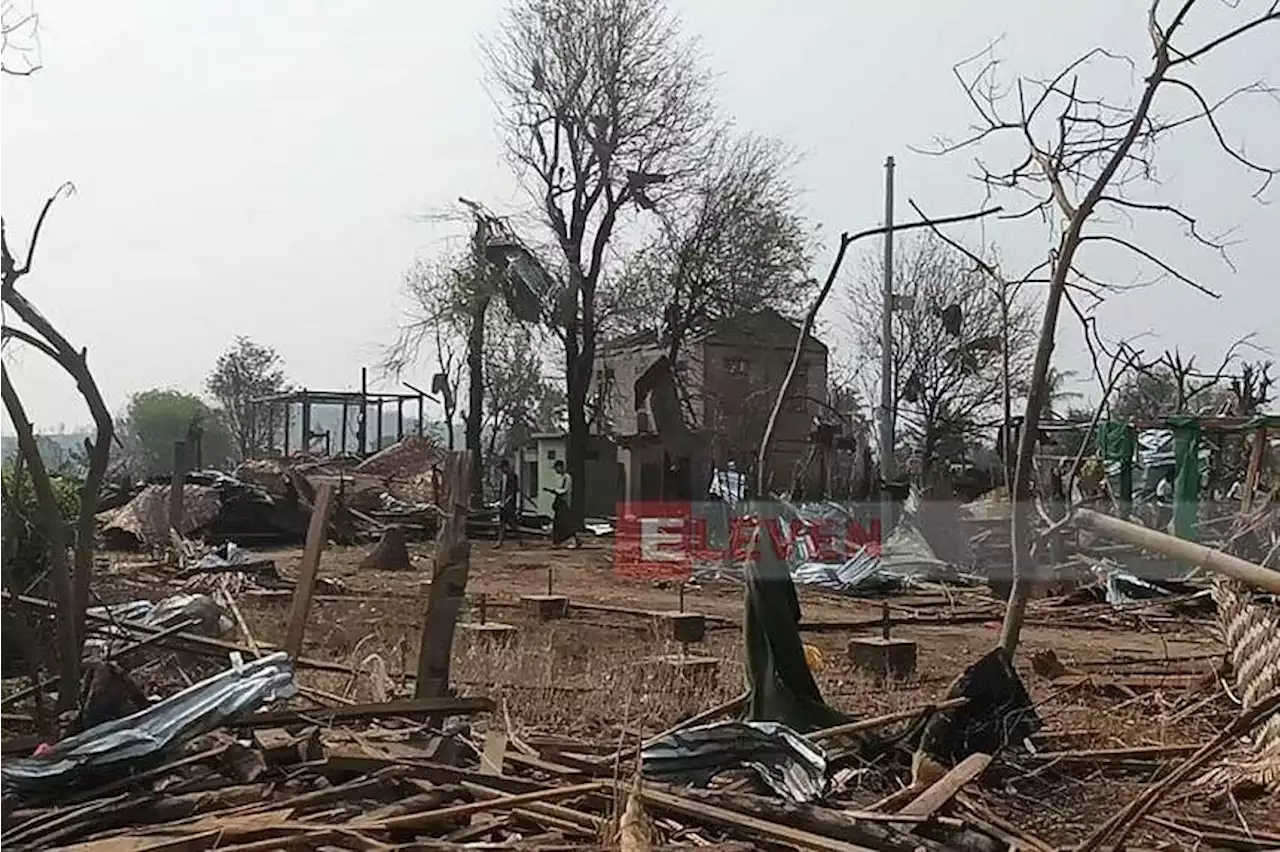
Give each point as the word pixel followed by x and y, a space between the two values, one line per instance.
pixel 254 166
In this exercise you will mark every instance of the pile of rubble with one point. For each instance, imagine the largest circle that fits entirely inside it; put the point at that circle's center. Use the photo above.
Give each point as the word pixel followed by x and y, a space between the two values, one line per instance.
pixel 270 500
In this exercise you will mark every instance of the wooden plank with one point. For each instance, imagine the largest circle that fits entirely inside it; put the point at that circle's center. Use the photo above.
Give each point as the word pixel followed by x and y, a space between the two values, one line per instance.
pixel 407 707
pixel 343 762
pixel 449 575
pixel 942 790
pixel 435 815
pixel 495 746
pixel 1253 473
pixel 887 719
pixel 746 825
pixel 148 843
pixel 317 532
pixel 197 644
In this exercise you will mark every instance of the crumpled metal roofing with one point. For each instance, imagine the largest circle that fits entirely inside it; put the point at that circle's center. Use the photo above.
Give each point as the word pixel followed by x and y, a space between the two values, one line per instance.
pixel 146 516
pixel 144 738
pixel 210 619
pixel 793 767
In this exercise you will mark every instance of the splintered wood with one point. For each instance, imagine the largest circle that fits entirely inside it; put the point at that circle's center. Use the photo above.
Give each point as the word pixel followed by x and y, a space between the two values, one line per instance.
pixel 449 574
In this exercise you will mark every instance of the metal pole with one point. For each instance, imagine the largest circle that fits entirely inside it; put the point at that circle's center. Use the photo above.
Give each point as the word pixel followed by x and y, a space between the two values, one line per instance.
pixel 343 447
pixel 364 411
pixel 306 421
pixel 887 471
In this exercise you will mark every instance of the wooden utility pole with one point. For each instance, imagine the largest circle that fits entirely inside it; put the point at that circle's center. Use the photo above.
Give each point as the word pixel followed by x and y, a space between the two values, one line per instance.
pixel 887 460
pixel 448 580
pixel 317 532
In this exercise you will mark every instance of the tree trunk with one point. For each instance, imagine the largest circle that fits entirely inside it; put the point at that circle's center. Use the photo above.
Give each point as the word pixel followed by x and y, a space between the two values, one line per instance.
pixel 75 363
pixel 927 448
pixel 576 446
pixel 55 536
pixel 475 392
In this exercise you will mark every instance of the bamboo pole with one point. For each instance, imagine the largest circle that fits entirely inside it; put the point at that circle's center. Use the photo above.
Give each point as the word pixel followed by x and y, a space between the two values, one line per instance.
pixel 1181 549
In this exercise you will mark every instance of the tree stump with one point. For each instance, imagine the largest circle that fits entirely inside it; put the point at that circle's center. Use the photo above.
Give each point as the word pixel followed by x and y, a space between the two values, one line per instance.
pixel 391 554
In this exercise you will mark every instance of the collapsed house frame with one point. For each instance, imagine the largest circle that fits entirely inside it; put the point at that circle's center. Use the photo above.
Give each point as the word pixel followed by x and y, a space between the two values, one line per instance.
pixel 361 401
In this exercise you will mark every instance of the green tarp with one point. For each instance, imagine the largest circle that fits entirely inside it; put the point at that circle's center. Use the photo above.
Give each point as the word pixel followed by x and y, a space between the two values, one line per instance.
pixel 782 688
pixel 1117 443
pixel 1186 478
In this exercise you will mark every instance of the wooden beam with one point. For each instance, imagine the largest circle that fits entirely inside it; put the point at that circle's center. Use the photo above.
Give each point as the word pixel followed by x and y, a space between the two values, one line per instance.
pixel 944 789
pixel 448 580
pixel 193 642
pixel 177 478
pixel 448 814
pixel 1180 549
pixel 747 826
pixel 317 532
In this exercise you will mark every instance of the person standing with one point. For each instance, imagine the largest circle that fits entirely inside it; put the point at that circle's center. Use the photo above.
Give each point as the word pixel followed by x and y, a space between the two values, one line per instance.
pixel 1164 502
pixel 509 507
pixel 561 490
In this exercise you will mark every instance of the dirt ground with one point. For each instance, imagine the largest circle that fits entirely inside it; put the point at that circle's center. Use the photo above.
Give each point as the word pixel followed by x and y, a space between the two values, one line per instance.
pixel 595 676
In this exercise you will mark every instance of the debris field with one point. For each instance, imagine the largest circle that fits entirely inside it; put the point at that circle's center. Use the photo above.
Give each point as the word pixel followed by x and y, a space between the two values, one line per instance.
pixel 538 747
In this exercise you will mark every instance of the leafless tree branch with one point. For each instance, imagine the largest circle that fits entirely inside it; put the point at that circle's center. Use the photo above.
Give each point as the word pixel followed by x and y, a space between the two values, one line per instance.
pixel 1082 152
pixel 811 317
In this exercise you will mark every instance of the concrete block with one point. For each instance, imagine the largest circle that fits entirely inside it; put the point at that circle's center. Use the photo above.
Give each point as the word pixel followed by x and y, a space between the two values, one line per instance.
pixel 883 658
pixel 701 671
pixel 546 607
pixel 683 627
pixel 490 633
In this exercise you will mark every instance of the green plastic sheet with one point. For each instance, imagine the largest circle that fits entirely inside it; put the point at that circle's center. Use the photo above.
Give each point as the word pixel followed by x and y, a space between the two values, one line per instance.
pixel 1117 442
pixel 782 688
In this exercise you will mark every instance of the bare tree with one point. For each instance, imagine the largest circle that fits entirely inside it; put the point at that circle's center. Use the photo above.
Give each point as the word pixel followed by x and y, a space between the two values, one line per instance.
pixel 42 335
pixel 811 317
pixel 518 395
pixel 19 40
pixel 734 245
pixel 951 333
pixel 604 110
pixel 437 316
pixel 1172 384
pixel 480 348
pixel 1085 153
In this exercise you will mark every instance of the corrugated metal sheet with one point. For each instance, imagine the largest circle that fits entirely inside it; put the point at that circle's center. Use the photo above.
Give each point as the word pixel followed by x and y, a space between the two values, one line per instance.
pixel 134 742
pixel 146 516
pixel 793 767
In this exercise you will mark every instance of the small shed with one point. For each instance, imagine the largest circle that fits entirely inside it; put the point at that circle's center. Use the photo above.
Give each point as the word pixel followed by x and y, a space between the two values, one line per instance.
pixel 534 463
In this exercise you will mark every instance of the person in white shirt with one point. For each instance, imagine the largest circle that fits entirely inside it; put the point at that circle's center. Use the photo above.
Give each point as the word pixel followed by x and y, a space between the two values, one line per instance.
pixel 1164 503
pixel 561 490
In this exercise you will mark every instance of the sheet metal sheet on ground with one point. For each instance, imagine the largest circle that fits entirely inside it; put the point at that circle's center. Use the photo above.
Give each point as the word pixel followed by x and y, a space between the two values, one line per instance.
pixel 905 558
pixel 793 767
pixel 135 741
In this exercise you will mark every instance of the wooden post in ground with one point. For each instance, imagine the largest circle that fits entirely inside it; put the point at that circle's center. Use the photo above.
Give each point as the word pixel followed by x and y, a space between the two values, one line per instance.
pixel 317 532
pixel 176 480
pixel 448 580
